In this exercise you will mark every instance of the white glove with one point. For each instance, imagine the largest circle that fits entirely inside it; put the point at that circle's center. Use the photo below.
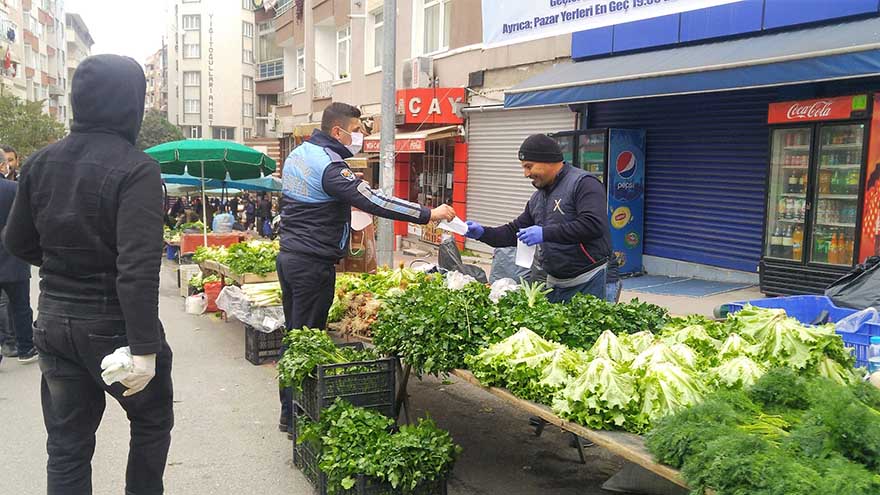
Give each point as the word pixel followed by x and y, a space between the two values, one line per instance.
pixel 144 369
pixel 116 366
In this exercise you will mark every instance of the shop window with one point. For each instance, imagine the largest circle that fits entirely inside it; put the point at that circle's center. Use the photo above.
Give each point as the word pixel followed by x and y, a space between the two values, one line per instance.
pixel 431 185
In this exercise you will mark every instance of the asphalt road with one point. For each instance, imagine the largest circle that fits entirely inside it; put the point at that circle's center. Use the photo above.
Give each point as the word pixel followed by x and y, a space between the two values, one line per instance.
pixel 226 441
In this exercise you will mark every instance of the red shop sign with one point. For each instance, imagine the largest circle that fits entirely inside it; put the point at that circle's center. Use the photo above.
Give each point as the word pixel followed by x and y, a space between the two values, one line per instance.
pixel 840 108
pixel 404 145
pixel 430 105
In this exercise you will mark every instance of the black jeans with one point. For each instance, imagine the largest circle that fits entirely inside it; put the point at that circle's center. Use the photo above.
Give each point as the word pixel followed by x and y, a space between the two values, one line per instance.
pixel 7 333
pixel 307 289
pixel 72 393
pixel 20 314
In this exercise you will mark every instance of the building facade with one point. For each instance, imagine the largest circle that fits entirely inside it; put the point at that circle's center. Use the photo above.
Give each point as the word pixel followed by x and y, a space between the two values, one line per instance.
pixel 156 72
pixel 34 66
pixel 211 46
pixel 79 46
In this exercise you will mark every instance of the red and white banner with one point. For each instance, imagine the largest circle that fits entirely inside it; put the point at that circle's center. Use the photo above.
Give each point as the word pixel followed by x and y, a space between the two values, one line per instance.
pixel 793 112
pixel 404 145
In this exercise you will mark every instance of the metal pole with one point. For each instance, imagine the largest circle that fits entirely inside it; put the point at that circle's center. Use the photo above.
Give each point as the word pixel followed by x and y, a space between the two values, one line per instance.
pixel 385 246
pixel 204 209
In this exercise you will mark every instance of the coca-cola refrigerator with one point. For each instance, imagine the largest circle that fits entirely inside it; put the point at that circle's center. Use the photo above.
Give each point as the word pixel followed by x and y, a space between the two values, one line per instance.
pixel 617 158
pixel 815 193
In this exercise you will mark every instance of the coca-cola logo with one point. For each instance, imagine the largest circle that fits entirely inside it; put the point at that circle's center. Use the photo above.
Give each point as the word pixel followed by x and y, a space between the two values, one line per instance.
pixel 817 110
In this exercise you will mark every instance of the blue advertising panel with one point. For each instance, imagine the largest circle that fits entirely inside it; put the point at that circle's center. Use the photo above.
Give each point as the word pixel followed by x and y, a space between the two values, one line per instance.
pixel 626 196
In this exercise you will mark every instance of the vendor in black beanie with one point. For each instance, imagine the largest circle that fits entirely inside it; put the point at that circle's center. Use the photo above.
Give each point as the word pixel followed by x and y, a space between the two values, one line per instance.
pixel 567 216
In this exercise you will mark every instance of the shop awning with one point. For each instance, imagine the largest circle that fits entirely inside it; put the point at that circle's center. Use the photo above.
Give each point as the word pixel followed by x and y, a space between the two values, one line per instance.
pixel 411 142
pixel 838 51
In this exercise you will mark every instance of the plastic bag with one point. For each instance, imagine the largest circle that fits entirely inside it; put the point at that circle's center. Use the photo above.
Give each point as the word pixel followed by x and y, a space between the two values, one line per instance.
pixel 457 280
pixel 117 366
pixel 853 322
pixel 860 288
pixel 502 287
pixel 449 259
pixel 197 304
pixel 223 223
pixel 235 303
pixel 503 266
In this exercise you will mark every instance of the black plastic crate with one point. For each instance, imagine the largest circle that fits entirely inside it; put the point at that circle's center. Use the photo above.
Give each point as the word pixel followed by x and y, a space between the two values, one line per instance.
pixel 367 384
pixel 261 347
pixel 305 458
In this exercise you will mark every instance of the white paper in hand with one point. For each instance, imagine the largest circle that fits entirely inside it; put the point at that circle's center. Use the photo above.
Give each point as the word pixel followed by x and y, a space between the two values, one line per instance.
pixel 456 225
pixel 117 366
pixel 525 255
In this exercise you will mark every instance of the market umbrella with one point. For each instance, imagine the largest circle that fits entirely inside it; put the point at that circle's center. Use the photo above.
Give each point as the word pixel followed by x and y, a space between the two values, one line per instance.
pixel 211 159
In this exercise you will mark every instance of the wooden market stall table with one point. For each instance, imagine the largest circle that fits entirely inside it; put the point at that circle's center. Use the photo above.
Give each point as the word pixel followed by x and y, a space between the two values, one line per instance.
pixel 190 242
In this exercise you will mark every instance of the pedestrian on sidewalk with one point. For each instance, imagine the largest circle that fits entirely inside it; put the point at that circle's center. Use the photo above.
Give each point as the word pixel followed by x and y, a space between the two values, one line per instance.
pixel 15 285
pixel 89 213
pixel 7 334
pixel 566 216
pixel 318 193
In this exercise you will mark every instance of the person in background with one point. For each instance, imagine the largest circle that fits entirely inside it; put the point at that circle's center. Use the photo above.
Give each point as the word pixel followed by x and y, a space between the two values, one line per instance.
pixel 265 210
pixel 318 193
pixel 12 162
pixel 176 208
pixel 613 283
pixel 7 334
pixel 89 213
pixel 233 207
pixel 15 285
pixel 250 212
pixel 566 216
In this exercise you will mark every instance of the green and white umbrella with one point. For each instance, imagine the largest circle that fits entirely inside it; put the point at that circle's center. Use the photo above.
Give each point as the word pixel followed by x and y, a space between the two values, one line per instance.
pixel 211 159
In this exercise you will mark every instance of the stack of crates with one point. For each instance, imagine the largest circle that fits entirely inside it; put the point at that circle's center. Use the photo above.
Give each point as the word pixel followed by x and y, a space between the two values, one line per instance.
pixel 261 347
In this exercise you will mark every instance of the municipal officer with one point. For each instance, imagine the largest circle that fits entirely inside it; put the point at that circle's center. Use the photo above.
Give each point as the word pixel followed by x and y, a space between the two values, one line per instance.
pixel 566 216
pixel 319 190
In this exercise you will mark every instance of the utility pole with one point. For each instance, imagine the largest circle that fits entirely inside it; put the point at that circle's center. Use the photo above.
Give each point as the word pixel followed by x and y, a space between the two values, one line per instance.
pixel 389 111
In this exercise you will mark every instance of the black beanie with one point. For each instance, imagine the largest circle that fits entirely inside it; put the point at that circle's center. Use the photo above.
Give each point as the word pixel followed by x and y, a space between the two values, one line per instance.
pixel 540 148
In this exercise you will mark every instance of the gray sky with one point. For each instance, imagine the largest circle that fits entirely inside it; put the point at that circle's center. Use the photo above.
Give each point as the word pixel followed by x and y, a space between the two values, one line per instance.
pixel 125 27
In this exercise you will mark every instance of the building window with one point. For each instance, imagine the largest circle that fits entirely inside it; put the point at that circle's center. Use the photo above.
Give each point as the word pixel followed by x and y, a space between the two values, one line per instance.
pixel 194 131
pixel 247 84
pixel 438 17
pixel 226 133
pixel 272 69
pixel 378 38
pixel 247 4
pixel 300 67
pixel 192 92
pixel 246 133
pixel 192 22
pixel 247 42
pixel 343 53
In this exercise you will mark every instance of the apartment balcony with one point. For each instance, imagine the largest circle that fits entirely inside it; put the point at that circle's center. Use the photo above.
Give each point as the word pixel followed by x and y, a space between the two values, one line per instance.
pixel 31 39
pixel 322 90
pixel 45 18
pixel 285 99
pixel 55 90
pixel 284 6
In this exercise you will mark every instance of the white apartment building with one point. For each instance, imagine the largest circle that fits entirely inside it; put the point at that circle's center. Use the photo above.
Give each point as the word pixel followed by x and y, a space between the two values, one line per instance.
pixel 211 68
pixel 79 46
pixel 34 65
pixel 155 69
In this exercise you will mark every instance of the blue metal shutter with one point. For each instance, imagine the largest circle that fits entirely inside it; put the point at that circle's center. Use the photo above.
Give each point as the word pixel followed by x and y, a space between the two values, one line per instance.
pixel 706 173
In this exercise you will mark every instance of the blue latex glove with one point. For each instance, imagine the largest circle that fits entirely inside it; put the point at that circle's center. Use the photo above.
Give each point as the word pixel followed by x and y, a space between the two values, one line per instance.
pixel 475 230
pixel 531 235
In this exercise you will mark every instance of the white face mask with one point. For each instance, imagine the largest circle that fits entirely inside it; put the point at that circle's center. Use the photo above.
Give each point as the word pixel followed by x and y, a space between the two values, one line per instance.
pixel 357 141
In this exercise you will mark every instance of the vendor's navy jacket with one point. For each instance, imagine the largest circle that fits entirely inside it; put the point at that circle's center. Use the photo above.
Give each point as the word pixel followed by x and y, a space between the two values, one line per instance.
pixel 319 190
pixel 572 212
pixel 89 208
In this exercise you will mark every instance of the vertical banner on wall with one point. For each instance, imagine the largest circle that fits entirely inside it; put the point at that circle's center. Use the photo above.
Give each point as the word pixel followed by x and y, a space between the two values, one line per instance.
pixel 626 196
pixel 515 21
pixel 870 242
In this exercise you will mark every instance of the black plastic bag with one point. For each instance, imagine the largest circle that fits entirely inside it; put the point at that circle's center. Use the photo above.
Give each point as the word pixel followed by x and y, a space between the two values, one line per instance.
pixel 449 259
pixel 858 289
pixel 504 266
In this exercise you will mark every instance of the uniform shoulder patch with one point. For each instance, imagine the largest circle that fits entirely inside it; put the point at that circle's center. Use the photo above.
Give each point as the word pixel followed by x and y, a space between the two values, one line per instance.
pixel 347 174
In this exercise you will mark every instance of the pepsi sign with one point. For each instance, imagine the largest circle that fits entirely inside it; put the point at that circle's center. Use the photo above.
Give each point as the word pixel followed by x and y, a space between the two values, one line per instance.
pixel 626 164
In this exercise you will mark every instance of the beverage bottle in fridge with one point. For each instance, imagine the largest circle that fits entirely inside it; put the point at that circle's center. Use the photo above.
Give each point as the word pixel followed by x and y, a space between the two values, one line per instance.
pixel 834 249
pixel 802 184
pixel 787 244
pixel 825 182
pixel 776 242
pixel 835 182
pixel 821 212
pixel 797 243
pixel 792 183
pixel 819 252
pixel 852 182
pixel 801 211
pixel 874 355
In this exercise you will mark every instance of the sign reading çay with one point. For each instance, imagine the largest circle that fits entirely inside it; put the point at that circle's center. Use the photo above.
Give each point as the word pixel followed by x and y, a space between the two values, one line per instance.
pixel 430 105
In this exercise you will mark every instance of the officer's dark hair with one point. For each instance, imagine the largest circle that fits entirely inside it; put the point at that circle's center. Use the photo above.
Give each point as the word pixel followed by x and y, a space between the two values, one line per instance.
pixel 9 149
pixel 338 114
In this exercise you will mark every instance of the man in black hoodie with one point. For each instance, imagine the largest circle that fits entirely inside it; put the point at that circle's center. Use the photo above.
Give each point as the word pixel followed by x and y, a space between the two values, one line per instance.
pixel 89 214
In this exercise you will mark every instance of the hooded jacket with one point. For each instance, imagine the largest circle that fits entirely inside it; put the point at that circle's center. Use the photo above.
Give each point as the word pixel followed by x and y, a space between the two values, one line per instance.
pixel 89 208
pixel 319 190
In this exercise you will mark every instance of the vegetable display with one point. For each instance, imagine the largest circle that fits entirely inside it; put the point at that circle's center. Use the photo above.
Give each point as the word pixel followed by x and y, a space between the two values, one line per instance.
pixel 306 349
pixel 786 434
pixel 353 441
pixel 257 257
pixel 198 281
pixel 263 294
pixel 359 297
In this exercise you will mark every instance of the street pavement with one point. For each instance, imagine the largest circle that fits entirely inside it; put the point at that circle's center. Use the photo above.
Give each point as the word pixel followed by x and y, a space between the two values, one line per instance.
pixel 225 440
